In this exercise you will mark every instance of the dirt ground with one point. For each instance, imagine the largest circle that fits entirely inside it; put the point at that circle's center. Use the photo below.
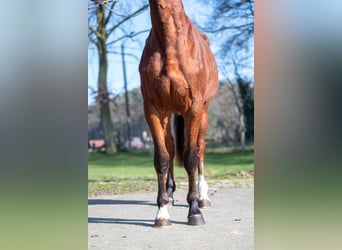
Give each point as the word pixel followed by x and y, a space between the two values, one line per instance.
pixel 126 221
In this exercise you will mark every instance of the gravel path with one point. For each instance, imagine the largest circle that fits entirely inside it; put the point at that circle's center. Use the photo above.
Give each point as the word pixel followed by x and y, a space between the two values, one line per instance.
pixel 125 222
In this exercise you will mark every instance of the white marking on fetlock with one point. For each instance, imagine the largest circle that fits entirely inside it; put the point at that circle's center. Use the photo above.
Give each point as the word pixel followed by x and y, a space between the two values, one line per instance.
pixel 162 213
pixel 202 188
pixel 170 204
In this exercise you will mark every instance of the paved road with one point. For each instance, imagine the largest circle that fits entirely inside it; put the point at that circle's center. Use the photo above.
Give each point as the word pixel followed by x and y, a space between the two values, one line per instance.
pixel 125 222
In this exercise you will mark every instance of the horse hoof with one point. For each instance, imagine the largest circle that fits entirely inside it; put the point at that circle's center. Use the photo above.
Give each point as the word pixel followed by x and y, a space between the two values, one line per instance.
pixel 196 219
pixel 204 203
pixel 162 223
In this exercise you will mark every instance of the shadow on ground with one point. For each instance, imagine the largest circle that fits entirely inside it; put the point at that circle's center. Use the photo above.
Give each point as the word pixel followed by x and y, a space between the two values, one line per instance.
pixel 137 222
pixel 126 202
pixel 119 202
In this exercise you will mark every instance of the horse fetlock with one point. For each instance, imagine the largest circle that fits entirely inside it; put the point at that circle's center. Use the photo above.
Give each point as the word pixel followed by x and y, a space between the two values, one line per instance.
pixel 194 208
pixel 204 203
pixel 192 198
pixel 162 218
pixel 162 199
pixel 171 202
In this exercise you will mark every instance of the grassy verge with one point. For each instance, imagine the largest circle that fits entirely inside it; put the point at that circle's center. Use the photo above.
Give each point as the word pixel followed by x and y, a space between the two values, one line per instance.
pixel 121 186
pixel 129 172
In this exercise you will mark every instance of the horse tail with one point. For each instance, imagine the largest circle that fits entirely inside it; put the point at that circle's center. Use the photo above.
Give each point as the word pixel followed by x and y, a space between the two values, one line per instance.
pixel 179 137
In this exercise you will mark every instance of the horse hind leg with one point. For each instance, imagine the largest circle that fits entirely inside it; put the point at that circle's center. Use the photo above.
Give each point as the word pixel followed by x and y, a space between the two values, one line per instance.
pixel 204 201
pixel 171 187
pixel 170 183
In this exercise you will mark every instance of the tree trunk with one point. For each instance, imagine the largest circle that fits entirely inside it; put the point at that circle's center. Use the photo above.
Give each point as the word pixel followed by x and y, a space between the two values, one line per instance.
pixel 103 95
pixel 128 117
pixel 242 131
pixel 245 99
pixel 242 117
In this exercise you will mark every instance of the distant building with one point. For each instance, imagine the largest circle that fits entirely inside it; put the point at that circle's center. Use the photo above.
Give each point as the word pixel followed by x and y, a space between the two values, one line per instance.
pixel 96 145
pixel 136 142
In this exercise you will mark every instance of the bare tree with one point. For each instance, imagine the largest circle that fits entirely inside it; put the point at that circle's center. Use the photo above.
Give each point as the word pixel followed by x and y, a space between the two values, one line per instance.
pixel 232 23
pixel 101 33
pixel 224 122
pixel 244 102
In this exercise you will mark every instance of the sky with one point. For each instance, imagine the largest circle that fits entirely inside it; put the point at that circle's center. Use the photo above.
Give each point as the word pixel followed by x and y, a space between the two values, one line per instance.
pixel 197 12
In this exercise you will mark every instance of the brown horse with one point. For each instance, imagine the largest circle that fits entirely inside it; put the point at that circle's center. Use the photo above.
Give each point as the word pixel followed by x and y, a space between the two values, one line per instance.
pixel 178 76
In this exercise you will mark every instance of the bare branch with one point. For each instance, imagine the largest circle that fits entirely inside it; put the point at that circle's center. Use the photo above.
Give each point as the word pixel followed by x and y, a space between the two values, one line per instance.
pixel 235 95
pixel 92 7
pixel 236 72
pixel 103 2
pixel 110 12
pixel 92 90
pixel 99 96
pixel 92 39
pixel 224 27
pixel 137 12
pixel 131 35
pixel 95 32
pixel 127 54
pixel 233 23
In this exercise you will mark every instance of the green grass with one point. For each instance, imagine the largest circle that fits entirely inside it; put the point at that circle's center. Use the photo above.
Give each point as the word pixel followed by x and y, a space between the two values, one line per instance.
pixel 129 172
pixel 121 166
